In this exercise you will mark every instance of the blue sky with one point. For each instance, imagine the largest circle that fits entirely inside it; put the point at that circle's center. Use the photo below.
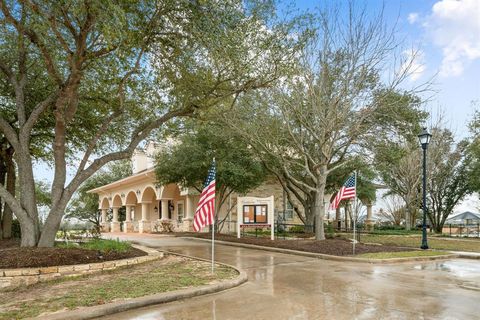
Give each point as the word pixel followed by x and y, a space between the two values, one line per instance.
pixel 447 35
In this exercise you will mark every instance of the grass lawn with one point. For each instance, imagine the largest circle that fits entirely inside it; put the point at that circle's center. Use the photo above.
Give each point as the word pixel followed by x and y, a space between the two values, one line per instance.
pixel 102 245
pixel 401 254
pixel 415 241
pixel 171 273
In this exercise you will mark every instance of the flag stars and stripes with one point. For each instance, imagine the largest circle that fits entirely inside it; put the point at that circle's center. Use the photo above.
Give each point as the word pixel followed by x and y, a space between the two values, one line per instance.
pixel 347 191
pixel 205 213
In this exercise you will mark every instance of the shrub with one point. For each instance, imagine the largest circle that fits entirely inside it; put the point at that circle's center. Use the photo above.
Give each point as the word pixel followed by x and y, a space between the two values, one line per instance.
pixel 329 231
pixel 297 229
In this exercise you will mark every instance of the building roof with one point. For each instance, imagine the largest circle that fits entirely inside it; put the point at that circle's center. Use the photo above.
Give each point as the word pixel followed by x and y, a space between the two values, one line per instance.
pixel 464 216
pixel 150 173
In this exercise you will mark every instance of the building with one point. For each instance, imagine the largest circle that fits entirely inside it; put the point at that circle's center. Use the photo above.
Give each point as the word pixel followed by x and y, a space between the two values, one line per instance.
pixel 150 207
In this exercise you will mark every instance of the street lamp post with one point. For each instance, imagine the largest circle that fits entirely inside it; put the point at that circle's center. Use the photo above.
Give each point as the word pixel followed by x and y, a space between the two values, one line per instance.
pixel 424 138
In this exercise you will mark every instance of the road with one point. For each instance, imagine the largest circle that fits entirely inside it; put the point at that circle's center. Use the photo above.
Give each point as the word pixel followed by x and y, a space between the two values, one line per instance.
pixel 283 286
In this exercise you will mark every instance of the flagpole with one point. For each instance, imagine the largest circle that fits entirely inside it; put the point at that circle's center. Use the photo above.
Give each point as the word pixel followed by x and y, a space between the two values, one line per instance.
pixel 213 232
pixel 355 213
pixel 213 243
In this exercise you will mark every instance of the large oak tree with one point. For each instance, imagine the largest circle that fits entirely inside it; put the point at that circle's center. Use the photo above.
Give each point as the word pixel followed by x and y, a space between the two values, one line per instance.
pixel 100 76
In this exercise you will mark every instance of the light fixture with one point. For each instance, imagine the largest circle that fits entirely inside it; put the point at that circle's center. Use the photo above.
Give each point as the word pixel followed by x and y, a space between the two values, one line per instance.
pixel 155 209
pixel 424 138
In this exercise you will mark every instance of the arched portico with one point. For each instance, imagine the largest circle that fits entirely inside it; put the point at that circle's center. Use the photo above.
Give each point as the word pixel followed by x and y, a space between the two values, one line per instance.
pixel 116 204
pixel 146 204
pixel 131 202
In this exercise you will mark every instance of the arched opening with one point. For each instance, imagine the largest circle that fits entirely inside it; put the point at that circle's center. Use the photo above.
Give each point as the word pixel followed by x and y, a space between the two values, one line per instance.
pixel 104 203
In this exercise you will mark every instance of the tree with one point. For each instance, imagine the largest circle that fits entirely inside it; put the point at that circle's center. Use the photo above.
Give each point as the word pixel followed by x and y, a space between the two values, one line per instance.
pixel 101 76
pixel 311 123
pixel 394 209
pixel 399 165
pixel 188 161
pixel 448 179
pixel 84 206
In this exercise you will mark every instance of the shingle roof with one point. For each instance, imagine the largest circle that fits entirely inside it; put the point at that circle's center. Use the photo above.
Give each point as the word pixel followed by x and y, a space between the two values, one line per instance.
pixel 464 216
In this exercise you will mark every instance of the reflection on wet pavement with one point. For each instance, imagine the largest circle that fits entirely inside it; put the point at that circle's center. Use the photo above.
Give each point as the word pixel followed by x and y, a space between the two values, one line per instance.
pixel 293 287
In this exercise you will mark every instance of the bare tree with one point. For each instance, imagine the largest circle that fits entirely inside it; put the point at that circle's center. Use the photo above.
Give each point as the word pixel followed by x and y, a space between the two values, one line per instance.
pixel 394 209
pixel 313 122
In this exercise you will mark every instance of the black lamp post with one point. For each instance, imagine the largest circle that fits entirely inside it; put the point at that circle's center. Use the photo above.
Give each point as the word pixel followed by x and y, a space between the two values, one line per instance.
pixel 424 138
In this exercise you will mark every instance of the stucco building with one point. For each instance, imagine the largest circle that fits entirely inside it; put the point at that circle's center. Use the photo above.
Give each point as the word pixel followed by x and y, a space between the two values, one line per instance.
pixel 148 206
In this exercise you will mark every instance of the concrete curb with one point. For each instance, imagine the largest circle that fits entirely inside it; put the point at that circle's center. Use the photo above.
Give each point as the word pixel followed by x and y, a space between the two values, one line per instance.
pixel 84 313
pixel 328 256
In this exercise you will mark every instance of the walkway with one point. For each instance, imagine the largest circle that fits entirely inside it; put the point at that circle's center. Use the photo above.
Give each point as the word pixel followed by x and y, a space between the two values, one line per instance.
pixel 283 286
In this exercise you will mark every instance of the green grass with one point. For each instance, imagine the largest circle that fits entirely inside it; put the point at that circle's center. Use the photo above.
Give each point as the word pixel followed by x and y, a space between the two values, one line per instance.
pixel 401 254
pixel 397 232
pixel 414 241
pixel 121 284
pixel 102 245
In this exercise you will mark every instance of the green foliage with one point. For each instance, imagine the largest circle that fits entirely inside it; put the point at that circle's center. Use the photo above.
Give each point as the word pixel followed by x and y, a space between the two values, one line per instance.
pixel 449 175
pixel 297 229
pixel 188 161
pixel 84 206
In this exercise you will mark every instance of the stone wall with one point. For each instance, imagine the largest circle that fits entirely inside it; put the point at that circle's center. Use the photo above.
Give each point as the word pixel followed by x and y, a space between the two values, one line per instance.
pixel 12 278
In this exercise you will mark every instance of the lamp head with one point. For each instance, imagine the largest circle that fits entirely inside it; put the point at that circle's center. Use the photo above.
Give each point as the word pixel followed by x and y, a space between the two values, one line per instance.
pixel 424 138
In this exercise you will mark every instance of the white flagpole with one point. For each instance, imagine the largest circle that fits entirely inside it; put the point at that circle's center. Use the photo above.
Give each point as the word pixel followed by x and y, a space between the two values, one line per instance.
pixel 213 224
pixel 213 243
pixel 355 214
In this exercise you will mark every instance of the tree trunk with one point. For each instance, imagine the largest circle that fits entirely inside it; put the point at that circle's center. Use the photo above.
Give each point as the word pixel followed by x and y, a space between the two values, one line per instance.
pixel 11 181
pixel 319 205
pixel 309 219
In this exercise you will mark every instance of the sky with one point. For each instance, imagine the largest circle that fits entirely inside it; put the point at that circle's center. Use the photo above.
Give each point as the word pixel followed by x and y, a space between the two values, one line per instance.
pixel 446 34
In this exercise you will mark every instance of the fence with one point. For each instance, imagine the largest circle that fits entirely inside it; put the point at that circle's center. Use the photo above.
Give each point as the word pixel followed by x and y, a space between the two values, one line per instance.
pixel 465 230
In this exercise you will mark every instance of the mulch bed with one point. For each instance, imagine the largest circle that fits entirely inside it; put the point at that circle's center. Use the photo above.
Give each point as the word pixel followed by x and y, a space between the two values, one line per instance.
pixel 335 246
pixel 47 257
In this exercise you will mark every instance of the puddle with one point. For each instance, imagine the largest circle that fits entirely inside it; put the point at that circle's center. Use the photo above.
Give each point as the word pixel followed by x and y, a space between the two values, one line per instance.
pixel 458 268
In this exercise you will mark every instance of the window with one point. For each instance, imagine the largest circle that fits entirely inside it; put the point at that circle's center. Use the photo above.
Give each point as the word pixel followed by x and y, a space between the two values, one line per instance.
pixel 255 214
pixel 288 211
pixel 180 211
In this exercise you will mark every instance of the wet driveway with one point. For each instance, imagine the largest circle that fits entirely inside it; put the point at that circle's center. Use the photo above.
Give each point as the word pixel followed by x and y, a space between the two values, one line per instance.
pixel 283 286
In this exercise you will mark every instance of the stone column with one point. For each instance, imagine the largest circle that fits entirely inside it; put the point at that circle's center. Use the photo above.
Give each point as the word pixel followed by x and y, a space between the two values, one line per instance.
pixel 164 204
pixel 105 225
pixel 369 221
pixel 338 219
pixel 144 225
pixel 115 225
pixel 189 210
pixel 127 224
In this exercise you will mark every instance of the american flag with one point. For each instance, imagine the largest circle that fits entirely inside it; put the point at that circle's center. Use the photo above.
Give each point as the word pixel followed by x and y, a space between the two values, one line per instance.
pixel 346 192
pixel 205 213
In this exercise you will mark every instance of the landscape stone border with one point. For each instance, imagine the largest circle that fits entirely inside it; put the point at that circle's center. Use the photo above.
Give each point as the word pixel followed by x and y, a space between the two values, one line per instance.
pixel 85 313
pixel 328 256
pixel 14 278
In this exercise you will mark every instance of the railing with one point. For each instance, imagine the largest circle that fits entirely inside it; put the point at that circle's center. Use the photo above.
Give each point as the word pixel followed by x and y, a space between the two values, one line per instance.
pixel 464 230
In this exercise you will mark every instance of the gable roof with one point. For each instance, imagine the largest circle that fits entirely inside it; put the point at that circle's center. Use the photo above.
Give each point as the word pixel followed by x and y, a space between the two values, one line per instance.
pixel 464 216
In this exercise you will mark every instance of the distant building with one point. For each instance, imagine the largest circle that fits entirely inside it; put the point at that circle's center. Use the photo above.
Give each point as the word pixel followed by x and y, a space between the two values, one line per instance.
pixel 464 218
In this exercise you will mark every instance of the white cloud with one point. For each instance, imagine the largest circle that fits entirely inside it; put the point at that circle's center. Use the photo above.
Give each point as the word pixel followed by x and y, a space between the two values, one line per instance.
pixel 414 64
pixel 454 26
pixel 413 17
